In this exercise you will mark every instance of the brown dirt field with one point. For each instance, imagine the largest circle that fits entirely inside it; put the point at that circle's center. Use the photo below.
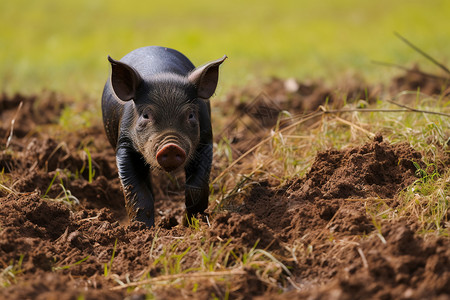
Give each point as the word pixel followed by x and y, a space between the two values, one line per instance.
pixel 317 225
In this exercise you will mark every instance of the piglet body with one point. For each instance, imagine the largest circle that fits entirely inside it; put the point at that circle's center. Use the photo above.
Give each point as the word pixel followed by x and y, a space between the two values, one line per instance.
pixel 157 116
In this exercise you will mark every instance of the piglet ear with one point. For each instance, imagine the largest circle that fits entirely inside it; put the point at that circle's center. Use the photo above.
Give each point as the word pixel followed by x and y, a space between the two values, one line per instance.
pixel 205 78
pixel 124 79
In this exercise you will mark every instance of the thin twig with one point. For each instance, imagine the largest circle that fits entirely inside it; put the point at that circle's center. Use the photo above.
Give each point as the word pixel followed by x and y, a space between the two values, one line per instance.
pixel 418 110
pixel 178 276
pixel 427 56
pixel 409 70
pixel 365 110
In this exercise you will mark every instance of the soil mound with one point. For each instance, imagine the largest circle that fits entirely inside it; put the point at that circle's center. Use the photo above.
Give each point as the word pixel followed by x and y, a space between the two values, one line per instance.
pixel 376 169
pixel 338 180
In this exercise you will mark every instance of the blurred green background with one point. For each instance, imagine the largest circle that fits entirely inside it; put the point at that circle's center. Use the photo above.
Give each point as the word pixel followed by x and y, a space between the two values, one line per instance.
pixel 63 45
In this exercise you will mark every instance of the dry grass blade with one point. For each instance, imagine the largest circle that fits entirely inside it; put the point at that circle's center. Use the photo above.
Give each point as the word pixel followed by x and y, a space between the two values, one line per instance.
pixel 356 127
pixel 13 121
pixel 368 199
pixel 178 276
pixel 363 257
pixel 7 189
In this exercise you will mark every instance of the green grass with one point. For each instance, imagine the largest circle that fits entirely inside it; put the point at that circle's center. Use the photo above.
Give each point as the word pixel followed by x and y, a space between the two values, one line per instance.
pixel 428 200
pixel 108 267
pixel 65 267
pixel 8 275
pixel 91 171
pixel 65 196
pixel 63 46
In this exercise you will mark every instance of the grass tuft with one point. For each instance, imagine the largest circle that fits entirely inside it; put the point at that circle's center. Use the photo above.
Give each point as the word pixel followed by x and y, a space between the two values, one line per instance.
pixel 65 196
pixel 8 276
pixel 427 201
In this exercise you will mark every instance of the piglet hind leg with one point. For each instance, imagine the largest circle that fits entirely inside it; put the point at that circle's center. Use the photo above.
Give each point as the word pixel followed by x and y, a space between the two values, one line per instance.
pixel 136 182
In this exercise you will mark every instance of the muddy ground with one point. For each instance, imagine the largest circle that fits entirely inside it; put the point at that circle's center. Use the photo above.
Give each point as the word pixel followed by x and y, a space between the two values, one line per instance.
pixel 58 228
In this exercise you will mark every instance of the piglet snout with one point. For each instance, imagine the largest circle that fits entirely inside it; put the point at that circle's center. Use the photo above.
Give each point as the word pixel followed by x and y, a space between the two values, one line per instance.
pixel 170 157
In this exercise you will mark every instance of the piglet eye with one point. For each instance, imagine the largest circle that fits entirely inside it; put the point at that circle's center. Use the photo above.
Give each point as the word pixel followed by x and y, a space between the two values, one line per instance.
pixel 191 116
pixel 145 116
